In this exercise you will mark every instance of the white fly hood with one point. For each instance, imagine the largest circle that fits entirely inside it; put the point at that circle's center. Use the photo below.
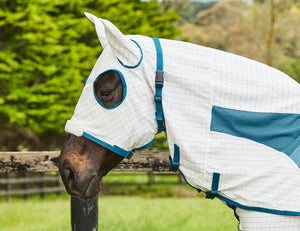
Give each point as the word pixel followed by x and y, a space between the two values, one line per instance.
pixel 232 124
pixel 131 124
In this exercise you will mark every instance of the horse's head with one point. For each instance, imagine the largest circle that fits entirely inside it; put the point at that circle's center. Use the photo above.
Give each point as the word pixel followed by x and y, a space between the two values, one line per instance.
pixel 115 114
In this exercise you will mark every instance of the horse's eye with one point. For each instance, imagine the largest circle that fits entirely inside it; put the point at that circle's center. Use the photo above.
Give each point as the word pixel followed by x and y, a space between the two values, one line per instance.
pixel 106 94
pixel 110 89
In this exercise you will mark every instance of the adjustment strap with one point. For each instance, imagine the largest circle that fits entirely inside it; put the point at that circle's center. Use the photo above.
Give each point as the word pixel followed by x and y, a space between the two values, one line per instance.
pixel 214 186
pixel 174 164
pixel 159 83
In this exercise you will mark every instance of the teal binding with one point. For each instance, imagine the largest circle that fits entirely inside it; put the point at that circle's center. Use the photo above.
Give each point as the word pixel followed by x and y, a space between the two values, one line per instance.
pixel 114 148
pixel 123 84
pixel 142 56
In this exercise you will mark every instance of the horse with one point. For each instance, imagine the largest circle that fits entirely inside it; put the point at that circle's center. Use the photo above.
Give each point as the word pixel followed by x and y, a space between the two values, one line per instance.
pixel 232 124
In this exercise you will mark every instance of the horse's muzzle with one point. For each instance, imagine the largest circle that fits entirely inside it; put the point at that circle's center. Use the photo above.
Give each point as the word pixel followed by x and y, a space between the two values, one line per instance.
pixel 85 184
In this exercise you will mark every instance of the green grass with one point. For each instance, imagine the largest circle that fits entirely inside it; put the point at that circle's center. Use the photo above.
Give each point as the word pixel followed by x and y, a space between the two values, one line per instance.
pixel 121 213
pixel 136 184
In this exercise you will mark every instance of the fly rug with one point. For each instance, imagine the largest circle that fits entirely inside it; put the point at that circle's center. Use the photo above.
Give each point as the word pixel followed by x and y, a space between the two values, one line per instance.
pixel 232 124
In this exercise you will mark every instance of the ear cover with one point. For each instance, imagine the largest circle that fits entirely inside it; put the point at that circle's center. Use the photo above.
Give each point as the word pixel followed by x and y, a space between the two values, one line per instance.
pixel 127 51
pixel 99 28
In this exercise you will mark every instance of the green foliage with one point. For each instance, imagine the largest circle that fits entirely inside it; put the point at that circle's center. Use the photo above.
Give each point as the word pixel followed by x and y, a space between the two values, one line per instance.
pixel 160 142
pixel 292 68
pixel 189 11
pixel 47 49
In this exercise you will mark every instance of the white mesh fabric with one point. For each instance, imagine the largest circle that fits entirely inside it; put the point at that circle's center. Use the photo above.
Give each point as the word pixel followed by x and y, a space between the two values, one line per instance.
pixel 253 176
pixel 130 125
pixel 255 221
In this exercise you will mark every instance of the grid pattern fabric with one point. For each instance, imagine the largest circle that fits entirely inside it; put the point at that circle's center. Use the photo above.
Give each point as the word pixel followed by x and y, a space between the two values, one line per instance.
pixel 255 221
pixel 253 176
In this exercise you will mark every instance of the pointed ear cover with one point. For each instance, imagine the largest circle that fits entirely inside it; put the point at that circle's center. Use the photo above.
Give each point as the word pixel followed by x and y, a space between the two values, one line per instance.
pixel 99 28
pixel 127 51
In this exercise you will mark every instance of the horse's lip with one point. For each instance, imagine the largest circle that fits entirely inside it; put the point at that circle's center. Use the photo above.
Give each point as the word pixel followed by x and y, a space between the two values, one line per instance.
pixel 74 193
pixel 89 184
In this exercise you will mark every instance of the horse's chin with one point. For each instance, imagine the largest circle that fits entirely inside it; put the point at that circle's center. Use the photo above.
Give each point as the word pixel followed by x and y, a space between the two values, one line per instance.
pixel 92 190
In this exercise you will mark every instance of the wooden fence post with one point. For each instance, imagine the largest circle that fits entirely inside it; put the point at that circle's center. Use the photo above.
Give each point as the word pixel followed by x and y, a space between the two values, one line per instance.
pixel 7 186
pixel 42 185
pixel 150 178
pixel 58 183
pixel 84 214
pixel 25 185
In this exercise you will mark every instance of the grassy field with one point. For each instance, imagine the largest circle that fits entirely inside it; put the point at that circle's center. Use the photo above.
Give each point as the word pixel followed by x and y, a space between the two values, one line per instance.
pixel 121 213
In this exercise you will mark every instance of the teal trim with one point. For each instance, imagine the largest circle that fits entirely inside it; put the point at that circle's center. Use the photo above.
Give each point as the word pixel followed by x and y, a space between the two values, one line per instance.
pixel 141 59
pixel 279 131
pixel 114 148
pixel 183 176
pixel 174 164
pixel 258 209
pixel 176 158
pixel 145 146
pixel 215 183
pixel 238 205
pixel 86 80
pixel 124 89
pixel 159 83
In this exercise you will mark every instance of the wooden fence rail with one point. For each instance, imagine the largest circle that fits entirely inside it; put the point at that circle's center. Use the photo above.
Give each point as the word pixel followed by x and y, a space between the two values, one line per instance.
pixel 25 185
pixel 142 161
pixel 25 192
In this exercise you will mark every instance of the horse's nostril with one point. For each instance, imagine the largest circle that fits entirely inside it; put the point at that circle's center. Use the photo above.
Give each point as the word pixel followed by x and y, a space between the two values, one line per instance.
pixel 70 176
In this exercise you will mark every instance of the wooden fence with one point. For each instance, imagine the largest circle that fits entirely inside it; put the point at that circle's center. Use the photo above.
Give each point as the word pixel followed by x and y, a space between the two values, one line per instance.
pixel 142 161
pixel 84 213
pixel 26 183
pixel 42 183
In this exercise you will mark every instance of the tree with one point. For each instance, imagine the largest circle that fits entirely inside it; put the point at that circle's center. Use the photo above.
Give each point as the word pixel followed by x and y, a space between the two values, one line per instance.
pixel 47 49
pixel 270 38
pixel 214 26
pixel 187 9
pixel 267 31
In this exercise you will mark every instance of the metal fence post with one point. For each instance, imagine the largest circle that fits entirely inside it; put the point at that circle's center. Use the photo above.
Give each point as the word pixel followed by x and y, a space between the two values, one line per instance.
pixel 84 214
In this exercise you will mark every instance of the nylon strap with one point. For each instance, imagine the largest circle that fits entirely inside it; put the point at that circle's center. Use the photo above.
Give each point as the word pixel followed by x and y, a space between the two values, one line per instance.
pixel 214 186
pixel 174 164
pixel 159 83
